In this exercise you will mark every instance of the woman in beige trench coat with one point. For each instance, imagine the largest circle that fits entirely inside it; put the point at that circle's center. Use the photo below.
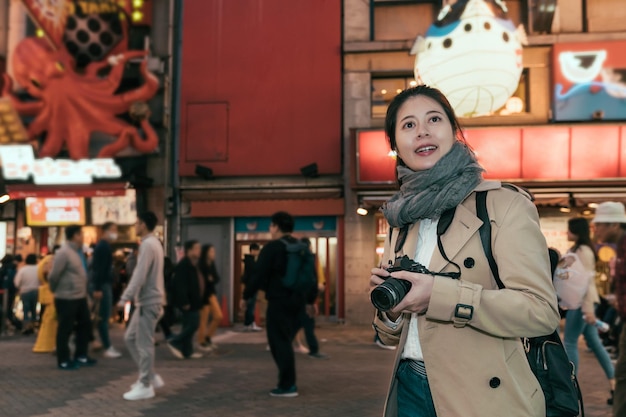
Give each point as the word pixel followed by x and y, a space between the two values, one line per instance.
pixel 459 350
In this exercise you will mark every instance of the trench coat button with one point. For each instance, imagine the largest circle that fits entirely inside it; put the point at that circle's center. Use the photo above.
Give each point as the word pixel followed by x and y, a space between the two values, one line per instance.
pixel 494 382
pixel 469 262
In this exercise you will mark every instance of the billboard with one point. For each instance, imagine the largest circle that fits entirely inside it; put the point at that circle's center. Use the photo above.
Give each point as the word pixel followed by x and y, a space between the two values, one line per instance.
pixel 589 81
pixel 55 211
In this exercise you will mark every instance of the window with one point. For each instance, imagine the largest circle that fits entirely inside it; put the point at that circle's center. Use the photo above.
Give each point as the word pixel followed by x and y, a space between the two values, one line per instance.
pixel 385 89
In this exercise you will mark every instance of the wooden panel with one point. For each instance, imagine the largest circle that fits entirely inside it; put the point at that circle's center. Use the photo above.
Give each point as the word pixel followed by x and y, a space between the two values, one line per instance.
pixel 206 138
pixel 394 22
pixel 545 153
pixel 595 152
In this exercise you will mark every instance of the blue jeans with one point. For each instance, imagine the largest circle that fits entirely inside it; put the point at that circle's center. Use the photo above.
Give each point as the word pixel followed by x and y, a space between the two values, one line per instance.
pixel 106 305
pixel 414 397
pixel 29 306
pixel 574 327
pixel 249 316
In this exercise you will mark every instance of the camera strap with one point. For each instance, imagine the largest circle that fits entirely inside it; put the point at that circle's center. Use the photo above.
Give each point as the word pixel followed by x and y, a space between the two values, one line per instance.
pixel 442 227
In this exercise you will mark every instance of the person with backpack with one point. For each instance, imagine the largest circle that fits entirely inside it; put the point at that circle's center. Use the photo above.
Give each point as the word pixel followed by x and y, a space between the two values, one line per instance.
pixel 582 320
pixel 457 330
pixel 285 270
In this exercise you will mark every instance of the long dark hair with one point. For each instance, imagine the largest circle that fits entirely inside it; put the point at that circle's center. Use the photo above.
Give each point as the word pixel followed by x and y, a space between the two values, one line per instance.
pixel 207 266
pixel 579 226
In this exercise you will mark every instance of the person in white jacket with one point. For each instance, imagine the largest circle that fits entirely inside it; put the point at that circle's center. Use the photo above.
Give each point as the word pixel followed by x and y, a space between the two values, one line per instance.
pixel 583 320
pixel 27 283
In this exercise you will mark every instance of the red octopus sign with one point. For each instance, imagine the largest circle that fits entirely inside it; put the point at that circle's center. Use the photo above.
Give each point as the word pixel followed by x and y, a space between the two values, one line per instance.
pixel 71 98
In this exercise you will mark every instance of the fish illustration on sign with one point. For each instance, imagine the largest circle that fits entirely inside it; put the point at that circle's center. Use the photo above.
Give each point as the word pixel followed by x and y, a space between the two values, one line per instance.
pixel 473 54
pixel 589 81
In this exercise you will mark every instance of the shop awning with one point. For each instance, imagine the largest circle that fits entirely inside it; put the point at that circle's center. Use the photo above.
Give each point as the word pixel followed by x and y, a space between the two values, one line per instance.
pixel 108 189
pixel 304 207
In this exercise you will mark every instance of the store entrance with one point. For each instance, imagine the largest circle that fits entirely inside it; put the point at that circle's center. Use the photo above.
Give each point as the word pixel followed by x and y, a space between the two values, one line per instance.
pixel 325 249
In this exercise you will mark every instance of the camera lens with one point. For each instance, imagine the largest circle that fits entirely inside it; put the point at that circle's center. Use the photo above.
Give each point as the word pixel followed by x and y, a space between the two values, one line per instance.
pixel 389 294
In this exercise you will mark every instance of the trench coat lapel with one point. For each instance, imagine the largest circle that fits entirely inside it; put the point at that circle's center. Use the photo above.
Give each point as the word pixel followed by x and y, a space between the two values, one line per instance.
pixel 464 225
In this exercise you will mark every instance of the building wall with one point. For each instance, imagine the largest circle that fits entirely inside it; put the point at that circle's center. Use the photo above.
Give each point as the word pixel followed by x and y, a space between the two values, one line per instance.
pixel 261 86
pixel 377 44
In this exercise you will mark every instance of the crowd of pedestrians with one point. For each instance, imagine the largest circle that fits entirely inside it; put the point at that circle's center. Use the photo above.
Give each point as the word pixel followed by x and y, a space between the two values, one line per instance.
pixel 80 292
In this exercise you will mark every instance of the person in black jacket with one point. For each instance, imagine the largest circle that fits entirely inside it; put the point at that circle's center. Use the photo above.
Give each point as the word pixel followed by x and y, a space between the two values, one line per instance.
pixel 189 294
pixel 284 306
pixel 249 265
pixel 211 313
pixel 102 276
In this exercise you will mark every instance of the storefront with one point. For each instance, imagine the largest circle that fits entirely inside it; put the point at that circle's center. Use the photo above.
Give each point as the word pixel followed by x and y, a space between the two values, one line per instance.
pixel 232 225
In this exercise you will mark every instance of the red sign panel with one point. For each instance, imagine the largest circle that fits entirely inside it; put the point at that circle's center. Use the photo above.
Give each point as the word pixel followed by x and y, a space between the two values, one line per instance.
pixel 529 153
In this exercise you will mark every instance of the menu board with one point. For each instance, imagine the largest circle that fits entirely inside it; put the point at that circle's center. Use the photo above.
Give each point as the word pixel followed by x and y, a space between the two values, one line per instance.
pixel 120 210
pixel 55 211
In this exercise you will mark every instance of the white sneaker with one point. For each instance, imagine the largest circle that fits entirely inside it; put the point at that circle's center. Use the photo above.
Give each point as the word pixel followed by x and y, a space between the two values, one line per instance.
pixel 196 355
pixel 254 328
pixel 175 351
pixel 139 392
pixel 157 382
pixel 112 353
pixel 205 347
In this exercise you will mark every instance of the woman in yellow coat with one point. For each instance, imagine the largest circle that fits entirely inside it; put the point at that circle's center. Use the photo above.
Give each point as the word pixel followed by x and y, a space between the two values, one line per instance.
pixel 46 339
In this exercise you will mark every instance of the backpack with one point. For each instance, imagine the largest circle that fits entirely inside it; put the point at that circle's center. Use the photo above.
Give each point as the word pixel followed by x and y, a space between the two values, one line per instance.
pixel 571 281
pixel 546 355
pixel 300 275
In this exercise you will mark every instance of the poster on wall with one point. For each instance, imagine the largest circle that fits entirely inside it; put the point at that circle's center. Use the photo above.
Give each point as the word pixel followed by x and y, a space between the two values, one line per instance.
pixel 119 210
pixel 554 230
pixel 55 211
pixel 589 81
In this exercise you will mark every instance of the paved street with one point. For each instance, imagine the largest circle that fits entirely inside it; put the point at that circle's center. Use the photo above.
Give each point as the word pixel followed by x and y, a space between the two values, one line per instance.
pixel 233 383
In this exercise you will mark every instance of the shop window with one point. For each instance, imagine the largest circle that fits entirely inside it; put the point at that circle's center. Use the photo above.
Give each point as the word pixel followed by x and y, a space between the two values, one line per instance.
pixel 385 89
pixel 401 19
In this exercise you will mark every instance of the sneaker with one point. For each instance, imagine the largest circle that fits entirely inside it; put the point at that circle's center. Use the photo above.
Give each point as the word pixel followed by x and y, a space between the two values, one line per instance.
pixel 68 366
pixel 285 393
pixel 318 356
pixel 157 382
pixel 112 353
pixel 196 355
pixel 139 392
pixel 205 347
pixel 254 328
pixel 175 351
pixel 85 361
pixel 381 345
pixel 208 341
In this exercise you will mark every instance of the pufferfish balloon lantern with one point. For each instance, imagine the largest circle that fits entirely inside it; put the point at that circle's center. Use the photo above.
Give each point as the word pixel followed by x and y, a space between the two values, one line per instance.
pixel 473 54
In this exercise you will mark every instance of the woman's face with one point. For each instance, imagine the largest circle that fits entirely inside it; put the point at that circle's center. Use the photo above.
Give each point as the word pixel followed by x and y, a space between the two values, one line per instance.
pixel 571 237
pixel 211 254
pixel 423 133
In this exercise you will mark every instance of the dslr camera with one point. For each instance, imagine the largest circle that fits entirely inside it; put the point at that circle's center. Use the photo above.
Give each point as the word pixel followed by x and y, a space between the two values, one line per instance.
pixel 389 294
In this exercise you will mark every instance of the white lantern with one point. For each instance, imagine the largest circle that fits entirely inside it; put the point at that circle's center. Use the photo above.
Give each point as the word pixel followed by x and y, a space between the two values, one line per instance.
pixel 473 54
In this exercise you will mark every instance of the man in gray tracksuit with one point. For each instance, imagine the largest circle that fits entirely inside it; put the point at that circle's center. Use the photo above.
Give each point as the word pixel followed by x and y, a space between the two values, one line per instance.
pixel 68 282
pixel 146 289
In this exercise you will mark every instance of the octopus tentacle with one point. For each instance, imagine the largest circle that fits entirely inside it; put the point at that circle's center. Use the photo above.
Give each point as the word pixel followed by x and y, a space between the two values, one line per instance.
pixel 147 90
pixel 151 141
pixel 122 142
pixel 52 145
pixel 29 108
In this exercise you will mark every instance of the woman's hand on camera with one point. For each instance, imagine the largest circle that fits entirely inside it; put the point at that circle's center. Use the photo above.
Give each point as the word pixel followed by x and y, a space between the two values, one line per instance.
pixel 418 297
pixel 375 279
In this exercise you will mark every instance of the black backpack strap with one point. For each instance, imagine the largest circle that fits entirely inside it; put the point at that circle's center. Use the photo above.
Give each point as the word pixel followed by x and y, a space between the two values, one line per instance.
pixel 485 235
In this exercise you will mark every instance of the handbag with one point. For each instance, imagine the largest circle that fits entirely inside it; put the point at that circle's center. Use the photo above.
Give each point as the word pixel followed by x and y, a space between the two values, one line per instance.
pixel 546 355
pixel 571 281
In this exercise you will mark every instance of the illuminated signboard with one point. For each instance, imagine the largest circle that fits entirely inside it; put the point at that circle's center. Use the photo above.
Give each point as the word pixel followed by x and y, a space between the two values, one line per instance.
pixel 55 211
pixel 120 210
pixel 589 81
pixel 19 163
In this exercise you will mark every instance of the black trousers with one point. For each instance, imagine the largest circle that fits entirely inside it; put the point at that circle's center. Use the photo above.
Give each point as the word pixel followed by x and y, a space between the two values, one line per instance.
pixel 282 322
pixel 308 324
pixel 72 314
pixel 184 340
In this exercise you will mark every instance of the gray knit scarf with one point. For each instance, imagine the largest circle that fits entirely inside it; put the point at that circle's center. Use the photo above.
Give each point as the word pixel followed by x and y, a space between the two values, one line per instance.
pixel 427 194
